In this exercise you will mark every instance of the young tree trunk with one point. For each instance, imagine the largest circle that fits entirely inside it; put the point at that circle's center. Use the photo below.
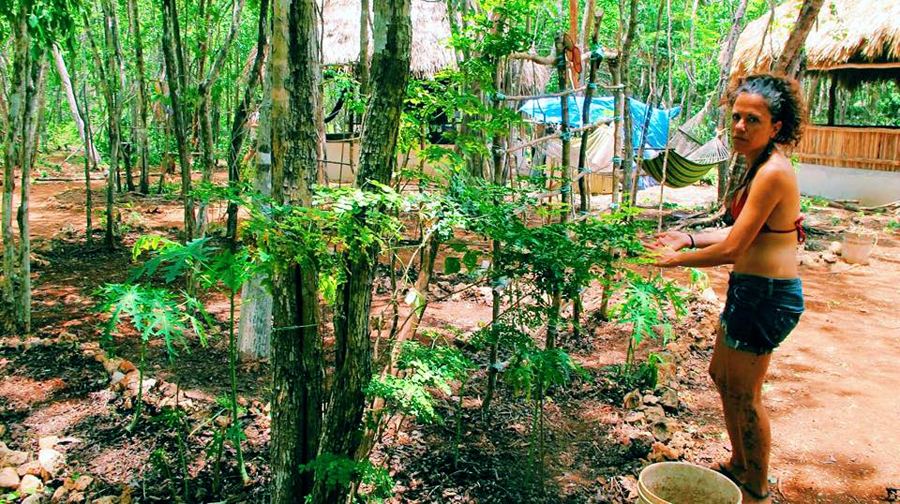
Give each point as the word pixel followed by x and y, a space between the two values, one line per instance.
pixel 343 428
pixel 789 61
pixel 66 80
pixel 12 155
pixel 689 99
pixel 624 56
pixel 722 86
pixel 206 132
pixel 297 386
pixel 239 128
pixel 117 70
pixel 175 82
pixel 87 169
pixel 33 113
pixel 362 69
pixel 141 116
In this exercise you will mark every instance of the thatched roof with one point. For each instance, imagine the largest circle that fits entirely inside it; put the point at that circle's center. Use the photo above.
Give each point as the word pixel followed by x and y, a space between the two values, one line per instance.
pixel 431 32
pixel 856 36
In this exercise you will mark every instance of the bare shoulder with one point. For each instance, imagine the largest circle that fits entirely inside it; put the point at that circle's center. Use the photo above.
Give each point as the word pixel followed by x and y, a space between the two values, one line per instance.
pixel 778 170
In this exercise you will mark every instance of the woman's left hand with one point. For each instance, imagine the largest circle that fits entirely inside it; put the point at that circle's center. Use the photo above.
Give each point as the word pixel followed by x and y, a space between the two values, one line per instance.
pixel 664 257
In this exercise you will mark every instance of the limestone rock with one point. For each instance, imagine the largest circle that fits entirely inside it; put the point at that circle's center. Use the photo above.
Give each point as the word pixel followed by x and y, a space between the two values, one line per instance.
pixel 650 399
pixel 127 366
pixel 111 365
pixel 30 484
pixel 48 442
pixel 709 295
pixel 829 257
pixel 635 417
pixel 34 499
pixel 632 399
pixel 59 495
pixel 82 483
pixel 51 461
pixel 12 458
pixel 9 478
pixel 835 247
pixel 75 497
pixel 663 429
pixel 660 452
pixel 669 400
pixel 655 414
pixel 109 499
pixel 117 378
pixel 33 467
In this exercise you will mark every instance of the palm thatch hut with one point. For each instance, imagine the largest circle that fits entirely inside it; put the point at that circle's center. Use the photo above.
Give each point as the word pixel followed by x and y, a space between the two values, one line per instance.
pixel 430 50
pixel 852 43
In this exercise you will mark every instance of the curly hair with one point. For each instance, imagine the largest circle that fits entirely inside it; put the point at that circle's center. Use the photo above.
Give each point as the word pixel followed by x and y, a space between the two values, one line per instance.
pixel 782 95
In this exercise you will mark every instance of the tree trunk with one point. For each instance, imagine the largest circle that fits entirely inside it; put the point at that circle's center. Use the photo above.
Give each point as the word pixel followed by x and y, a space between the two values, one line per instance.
pixel 624 56
pixel 89 227
pixel 174 80
pixel 239 128
pixel 117 70
pixel 14 144
pixel 73 103
pixel 296 345
pixel 33 113
pixel 362 70
pixel 206 132
pixel 789 61
pixel 141 117
pixel 832 98
pixel 344 425
pixel 721 88
pixel 689 100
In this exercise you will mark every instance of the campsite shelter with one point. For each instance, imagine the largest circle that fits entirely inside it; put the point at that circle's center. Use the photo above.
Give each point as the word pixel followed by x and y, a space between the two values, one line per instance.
pixel 430 54
pixel 853 43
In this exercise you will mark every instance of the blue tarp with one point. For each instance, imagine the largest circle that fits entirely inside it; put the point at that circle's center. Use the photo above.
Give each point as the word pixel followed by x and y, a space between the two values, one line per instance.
pixel 548 110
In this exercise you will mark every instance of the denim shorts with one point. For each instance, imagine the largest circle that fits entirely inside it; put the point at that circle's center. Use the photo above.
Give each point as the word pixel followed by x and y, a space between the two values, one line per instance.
pixel 760 312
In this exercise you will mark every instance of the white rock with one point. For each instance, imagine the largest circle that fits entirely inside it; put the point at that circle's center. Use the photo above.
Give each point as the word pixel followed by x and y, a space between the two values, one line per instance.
pixel 117 377
pixel 30 484
pixel 51 461
pixel 709 295
pixel 48 442
pixel 12 458
pixel 835 247
pixel 9 478
pixel 34 499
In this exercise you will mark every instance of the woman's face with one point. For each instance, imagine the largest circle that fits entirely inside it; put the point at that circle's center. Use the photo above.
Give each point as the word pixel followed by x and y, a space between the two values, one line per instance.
pixel 751 123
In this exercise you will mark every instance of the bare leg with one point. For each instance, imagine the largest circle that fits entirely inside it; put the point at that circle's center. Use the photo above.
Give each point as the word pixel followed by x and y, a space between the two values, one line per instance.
pixel 719 373
pixel 745 374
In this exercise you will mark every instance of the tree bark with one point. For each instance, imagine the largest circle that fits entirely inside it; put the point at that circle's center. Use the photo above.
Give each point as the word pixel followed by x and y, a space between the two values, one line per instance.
pixel 789 61
pixel 12 156
pixel 141 117
pixel 296 346
pixel 832 98
pixel 206 132
pixel 344 427
pixel 721 88
pixel 66 80
pixel 625 54
pixel 33 113
pixel 117 69
pixel 87 169
pixel 362 70
pixel 239 127
pixel 175 80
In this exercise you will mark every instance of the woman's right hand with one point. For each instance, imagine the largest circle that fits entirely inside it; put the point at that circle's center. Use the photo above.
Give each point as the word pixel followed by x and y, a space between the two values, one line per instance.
pixel 675 240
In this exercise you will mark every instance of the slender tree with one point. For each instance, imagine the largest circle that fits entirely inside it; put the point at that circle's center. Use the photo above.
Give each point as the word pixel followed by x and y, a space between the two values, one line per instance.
pixel 789 61
pixel 297 373
pixel 725 71
pixel 175 79
pixel 141 116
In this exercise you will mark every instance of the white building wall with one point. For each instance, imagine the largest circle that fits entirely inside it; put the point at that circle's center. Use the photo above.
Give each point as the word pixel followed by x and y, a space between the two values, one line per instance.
pixel 870 187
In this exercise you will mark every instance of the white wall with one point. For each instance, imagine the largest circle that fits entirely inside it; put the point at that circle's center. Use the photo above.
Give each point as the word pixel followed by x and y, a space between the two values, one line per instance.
pixel 870 187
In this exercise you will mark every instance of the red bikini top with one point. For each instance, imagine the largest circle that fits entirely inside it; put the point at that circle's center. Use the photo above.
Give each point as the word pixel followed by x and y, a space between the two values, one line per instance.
pixel 738 204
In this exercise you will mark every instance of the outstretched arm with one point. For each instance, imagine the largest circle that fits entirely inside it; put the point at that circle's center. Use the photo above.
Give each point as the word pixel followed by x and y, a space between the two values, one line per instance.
pixel 677 240
pixel 765 193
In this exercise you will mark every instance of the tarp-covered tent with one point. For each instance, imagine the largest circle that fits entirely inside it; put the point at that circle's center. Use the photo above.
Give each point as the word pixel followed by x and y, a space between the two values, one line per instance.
pixel 549 110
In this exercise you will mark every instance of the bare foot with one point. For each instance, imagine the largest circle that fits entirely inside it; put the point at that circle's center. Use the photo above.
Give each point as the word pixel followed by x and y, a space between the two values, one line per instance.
pixel 730 470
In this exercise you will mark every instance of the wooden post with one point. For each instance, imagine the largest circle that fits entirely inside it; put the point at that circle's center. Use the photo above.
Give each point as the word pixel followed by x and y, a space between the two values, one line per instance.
pixel 832 98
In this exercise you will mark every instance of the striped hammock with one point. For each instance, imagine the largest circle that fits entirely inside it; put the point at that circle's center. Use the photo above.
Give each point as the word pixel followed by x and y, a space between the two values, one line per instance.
pixel 682 171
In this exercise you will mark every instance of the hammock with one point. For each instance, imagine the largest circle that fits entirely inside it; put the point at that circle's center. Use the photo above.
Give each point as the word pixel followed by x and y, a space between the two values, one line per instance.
pixel 682 171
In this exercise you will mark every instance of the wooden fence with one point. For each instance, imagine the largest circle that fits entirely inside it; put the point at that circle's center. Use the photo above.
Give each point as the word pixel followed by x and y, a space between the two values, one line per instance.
pixel 851 147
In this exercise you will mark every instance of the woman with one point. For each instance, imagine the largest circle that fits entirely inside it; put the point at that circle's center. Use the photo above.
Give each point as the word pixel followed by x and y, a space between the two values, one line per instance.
pixel 765 297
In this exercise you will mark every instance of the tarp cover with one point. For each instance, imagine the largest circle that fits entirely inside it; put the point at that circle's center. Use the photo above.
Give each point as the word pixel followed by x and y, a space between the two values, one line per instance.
pixel 548 110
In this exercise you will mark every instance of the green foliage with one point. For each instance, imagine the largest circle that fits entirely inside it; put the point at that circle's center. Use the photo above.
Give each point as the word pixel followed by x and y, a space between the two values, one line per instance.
pixel 423 368
pixel 644 307
pixel 154 312
pixel 341 471
pixel 175 258
pixel 893 226
pixel 812 203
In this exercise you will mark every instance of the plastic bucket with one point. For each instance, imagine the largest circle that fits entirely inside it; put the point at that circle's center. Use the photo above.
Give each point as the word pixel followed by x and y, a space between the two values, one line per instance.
pixel 683 483
pixel 857 247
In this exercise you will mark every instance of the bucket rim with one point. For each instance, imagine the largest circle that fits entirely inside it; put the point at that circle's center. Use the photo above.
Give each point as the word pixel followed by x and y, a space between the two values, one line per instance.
pixel 659 465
